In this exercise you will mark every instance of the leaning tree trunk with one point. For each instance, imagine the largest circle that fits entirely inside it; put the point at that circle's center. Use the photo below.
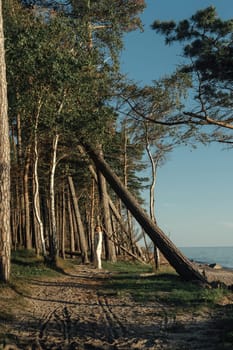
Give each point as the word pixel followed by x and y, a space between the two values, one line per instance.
pixel 5 246
pixel 181 264
pixel 112 206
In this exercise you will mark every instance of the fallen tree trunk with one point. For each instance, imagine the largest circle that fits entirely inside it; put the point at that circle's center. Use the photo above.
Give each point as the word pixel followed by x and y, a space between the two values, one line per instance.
pixel 181 264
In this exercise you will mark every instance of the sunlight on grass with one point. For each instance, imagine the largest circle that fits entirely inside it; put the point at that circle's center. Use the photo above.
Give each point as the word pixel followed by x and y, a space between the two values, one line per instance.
pixel 165 286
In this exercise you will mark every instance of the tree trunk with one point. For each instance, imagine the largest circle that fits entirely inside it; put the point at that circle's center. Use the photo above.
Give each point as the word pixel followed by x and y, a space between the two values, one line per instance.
pixel 125 172
pixel 71 225
pixel 63 223
pixel 28 242
pixel 36 194
pixel 154 165
pixel 5 246
pixel 181 264
pixel 5 231
pixel 53 235
pixel 110 247
pixel 21 204
pixel 92 220
pixel 83 243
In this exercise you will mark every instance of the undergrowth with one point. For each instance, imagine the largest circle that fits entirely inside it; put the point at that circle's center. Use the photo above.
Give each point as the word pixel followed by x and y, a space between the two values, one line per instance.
pixel 25 263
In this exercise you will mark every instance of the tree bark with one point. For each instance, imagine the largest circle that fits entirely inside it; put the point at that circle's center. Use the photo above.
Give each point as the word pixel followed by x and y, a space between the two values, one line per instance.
pixel 83 243
pixel 63 223
pixel 36 194
pixel 71 225
pixel 125 172
pixel 28 242
pixel 154 165
pixel 53 235
pixel 110 247
pixel 5 231
pixel 92 219
pixel 181 264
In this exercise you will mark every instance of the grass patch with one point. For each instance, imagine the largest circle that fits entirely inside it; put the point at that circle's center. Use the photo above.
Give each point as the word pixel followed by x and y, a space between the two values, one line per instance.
pixel 25 264
pixel 165 286
pixel 128 267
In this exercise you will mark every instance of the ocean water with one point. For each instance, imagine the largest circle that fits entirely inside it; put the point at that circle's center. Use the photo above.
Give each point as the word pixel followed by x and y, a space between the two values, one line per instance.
pixel 210 255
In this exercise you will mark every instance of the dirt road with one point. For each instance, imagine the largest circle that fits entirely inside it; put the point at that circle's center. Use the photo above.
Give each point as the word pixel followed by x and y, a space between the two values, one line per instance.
pixel 73 312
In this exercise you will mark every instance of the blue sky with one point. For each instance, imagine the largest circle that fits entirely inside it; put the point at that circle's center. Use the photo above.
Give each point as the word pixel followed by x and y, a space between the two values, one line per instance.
pixel 194 194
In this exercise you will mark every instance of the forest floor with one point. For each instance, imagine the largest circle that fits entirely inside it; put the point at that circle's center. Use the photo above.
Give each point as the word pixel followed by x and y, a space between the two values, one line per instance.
pixel 74 310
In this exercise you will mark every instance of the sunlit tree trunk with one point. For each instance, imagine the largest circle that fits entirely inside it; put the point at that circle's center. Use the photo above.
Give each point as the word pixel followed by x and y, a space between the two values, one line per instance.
pixel 5 231
pixel 36 200
pixel 154 164
pixel 53 235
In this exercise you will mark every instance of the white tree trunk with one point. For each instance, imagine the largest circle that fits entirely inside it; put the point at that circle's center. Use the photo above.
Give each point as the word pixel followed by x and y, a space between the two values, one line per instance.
pixel 53 248
pixel 154 165
pixel 98 245
pixel 36 194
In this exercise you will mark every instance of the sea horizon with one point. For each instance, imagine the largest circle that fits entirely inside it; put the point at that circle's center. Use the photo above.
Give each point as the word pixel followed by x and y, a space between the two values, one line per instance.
pixel 221 255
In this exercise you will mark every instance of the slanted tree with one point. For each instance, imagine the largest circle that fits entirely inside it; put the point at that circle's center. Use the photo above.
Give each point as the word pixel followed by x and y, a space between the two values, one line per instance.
pixel 181 264
pixel 156 139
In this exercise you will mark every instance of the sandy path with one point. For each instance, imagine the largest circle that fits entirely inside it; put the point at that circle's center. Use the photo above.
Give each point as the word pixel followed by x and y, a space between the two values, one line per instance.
pixel 71 312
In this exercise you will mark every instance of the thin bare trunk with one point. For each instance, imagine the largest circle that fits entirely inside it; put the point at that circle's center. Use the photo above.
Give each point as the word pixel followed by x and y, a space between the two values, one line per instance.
pixel 22 218
pixel 110 247
pixel 36 194
pixel 125 172
pixel 26 198
pixel 63 224
pixel 92 220
pixel 71 226
pixel 5 229
pixel 154 165
pixel 82 238
pixel 53 236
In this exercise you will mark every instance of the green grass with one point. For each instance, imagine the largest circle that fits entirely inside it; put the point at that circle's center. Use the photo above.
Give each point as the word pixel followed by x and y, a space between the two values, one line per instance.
pixel 25 263
pixel 165 286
